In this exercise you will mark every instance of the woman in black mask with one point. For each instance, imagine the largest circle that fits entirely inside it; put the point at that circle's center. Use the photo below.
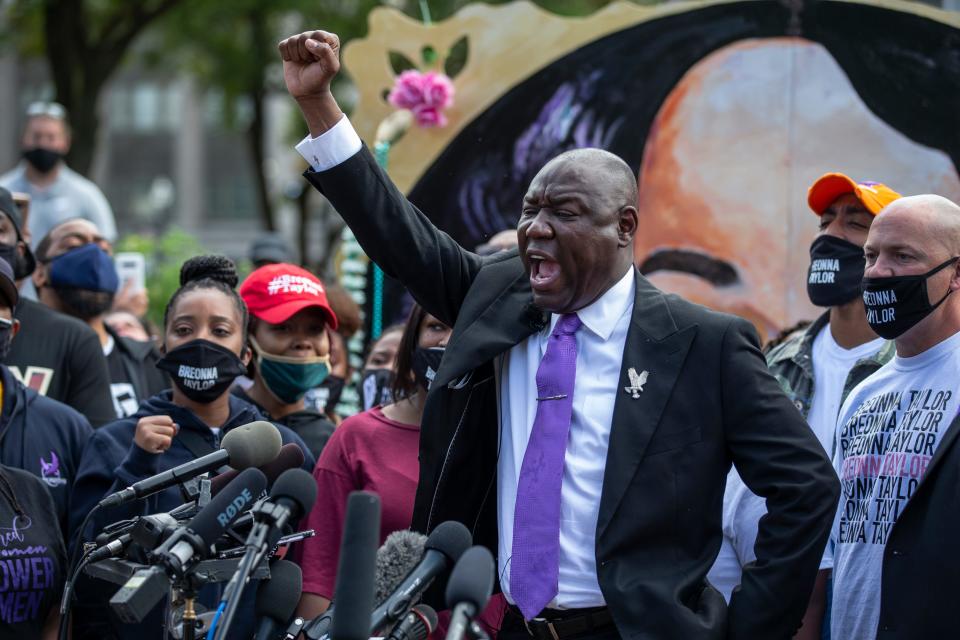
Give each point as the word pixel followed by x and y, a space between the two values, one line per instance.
pixel 376 451
pixel 204 351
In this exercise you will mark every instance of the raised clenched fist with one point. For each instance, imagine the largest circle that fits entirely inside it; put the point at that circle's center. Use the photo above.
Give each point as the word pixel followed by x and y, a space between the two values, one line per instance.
pixel 155 433
pixel 310 61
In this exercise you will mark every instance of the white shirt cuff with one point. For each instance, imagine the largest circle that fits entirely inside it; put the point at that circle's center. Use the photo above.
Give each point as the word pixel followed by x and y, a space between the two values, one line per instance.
pixel 334 146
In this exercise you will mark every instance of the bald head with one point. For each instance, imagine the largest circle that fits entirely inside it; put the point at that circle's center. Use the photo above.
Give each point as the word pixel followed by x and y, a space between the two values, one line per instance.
pixel 933 217
pixel 612 177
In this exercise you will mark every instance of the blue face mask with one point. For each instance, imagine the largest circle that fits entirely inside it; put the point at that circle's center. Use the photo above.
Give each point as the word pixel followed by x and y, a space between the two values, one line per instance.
pixel 87 267
pixel 289 379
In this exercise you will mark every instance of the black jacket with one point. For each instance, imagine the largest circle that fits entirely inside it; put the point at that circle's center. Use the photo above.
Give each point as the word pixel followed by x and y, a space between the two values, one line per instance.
pixel 921 565
pixel 60 357
pixel 44 437
pixel 314 427
pixel 709 400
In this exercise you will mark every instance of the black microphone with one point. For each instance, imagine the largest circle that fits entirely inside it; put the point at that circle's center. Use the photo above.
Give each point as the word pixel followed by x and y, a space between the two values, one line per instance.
pixel 146 587
pixel 292 496
pixel 250 445
pixel 469 589
pixel 209 524
pixel 353 593
pixel 290 457
pixel 418 624
pixel 277 598
pixel 396 557
pixel 443 547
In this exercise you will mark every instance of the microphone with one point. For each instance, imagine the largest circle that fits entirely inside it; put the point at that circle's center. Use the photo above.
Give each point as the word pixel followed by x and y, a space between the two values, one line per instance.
pixel 198 536
pixel 469 589
pixel 146 587
pixel 443 547
pixel 290 457
pixel 417 625
pixel 147 531
pixel 277 598
pixel 396 558
pixel 292 496
pixel 250 445
pixel 358 556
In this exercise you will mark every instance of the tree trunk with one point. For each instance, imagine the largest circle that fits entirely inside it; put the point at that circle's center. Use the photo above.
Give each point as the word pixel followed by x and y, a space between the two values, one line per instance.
pixel 257 94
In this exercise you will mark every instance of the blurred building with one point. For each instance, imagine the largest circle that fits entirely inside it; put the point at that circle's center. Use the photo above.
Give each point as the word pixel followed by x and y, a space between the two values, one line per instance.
pixel 166 156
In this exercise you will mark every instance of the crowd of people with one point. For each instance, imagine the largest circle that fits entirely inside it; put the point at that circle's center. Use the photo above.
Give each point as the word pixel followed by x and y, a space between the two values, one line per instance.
pixel 687 483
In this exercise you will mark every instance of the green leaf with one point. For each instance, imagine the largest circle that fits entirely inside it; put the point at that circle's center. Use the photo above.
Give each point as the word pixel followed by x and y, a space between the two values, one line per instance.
pixel 457 58
pixel 400 63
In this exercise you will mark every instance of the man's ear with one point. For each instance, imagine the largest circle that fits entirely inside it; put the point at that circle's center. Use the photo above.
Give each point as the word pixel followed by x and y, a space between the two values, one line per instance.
pixel 16 329
pixel 39 276
pixel 627 225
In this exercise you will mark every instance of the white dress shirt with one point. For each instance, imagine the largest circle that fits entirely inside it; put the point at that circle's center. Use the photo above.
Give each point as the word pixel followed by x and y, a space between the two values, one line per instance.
pixel 600 345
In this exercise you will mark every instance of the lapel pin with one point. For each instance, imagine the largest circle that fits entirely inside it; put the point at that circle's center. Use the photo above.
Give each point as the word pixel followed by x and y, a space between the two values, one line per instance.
pixel 636 382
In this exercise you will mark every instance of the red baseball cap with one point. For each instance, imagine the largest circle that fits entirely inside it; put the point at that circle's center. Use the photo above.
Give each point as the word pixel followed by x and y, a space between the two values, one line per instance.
pixel 275 292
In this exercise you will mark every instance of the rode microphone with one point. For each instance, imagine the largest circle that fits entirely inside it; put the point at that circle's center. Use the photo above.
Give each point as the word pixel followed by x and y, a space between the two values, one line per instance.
pixel 443 549
pixel 277 598
pixel 468 590
pixel 355 572
pixel 142 591
pixel 195 539
pixel 418 624
pixel 250 445
pixel 290 457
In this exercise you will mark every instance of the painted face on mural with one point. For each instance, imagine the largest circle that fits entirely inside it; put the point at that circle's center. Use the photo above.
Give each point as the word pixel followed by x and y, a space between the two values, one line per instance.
pixel 576 229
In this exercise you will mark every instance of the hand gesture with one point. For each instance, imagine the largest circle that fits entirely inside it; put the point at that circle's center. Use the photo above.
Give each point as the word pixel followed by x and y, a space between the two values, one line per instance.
pixel 310 61
pixel 155 433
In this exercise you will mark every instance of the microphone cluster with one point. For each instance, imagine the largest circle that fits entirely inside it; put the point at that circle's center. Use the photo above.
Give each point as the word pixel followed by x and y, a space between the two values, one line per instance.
pixel 378 588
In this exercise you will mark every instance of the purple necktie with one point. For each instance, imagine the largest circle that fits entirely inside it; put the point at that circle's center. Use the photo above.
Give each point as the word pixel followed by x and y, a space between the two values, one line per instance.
pixel 535 561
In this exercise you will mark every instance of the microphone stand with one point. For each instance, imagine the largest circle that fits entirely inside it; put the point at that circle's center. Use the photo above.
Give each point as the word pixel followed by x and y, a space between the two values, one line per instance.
pixel 257 545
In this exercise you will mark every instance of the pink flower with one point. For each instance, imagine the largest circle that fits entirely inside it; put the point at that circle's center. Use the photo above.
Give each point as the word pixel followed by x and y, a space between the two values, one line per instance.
pixel 425 94
pixel 429 116
pixel 437 90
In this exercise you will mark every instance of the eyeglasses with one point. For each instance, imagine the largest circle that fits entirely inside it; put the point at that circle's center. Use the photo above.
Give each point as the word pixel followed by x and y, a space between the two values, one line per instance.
pixel 50 109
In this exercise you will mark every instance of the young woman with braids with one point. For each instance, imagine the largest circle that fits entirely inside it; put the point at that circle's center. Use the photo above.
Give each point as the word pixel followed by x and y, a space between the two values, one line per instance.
pixel 204 327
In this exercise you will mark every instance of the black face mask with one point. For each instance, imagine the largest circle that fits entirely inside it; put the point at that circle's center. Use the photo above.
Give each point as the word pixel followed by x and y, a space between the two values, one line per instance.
pixel 376 387
pixel 425 362
pixel 897 303
pixel 20 265
pixel 202 370
pixel 43 160
pixel 83 303
pixel 835 273
pixel 333 385
pixel 6 340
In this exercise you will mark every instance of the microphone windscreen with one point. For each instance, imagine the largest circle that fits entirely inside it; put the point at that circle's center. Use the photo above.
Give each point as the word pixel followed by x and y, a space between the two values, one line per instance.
pixel 471 580
pixel 252 445
pixel 297 486
pixel 399 554
pixel 353 595
pixel 290 457
pixel 223 510
pixel 277 597
pixel 451 539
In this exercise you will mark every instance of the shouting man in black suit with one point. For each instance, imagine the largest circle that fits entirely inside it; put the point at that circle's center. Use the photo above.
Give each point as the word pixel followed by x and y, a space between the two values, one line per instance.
pixel 582 422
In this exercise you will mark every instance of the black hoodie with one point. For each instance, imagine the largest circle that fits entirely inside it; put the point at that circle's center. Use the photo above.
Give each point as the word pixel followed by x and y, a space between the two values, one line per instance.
pixel 44 437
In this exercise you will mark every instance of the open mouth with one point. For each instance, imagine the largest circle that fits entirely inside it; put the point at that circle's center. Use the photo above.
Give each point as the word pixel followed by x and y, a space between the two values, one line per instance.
pixel 543 272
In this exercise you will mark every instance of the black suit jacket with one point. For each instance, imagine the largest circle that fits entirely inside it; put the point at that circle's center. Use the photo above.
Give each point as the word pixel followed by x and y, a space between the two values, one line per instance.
pixel 708 400
pixel 921 565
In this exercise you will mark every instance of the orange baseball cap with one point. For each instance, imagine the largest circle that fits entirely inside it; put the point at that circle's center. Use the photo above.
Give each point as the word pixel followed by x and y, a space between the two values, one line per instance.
pixel 830 186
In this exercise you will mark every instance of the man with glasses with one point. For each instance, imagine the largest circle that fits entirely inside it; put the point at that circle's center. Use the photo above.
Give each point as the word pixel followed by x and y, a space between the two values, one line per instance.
pixel 57 192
